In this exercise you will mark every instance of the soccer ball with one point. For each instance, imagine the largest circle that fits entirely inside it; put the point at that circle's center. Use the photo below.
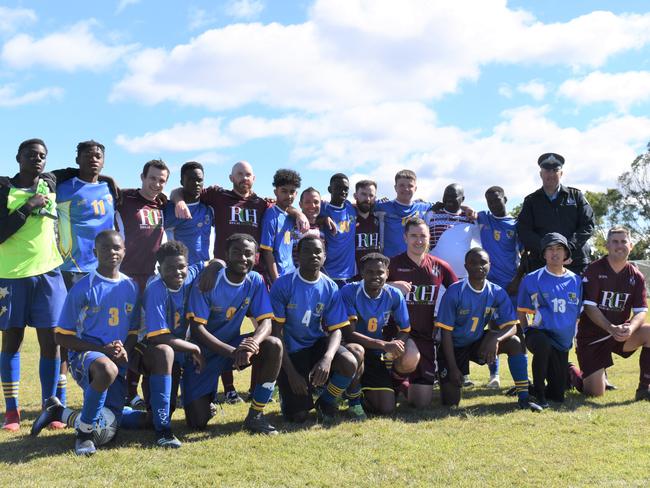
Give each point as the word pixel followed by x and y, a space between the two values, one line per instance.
pixel 105 428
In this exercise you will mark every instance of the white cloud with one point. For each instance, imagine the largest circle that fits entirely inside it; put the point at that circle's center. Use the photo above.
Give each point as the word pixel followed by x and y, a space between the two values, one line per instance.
pixel 505 90
pixel 536 89
pixel 69 50
pixel 244 9
pixel 9 97
pixel 12 18
pixel 352 52
pixel 199 18
pixel 622 89
pixel 125 3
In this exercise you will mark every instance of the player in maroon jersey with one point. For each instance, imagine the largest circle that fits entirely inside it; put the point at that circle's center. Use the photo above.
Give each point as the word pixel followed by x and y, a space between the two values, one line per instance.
pixel 368 236
pixel 422 278
pixel 613 318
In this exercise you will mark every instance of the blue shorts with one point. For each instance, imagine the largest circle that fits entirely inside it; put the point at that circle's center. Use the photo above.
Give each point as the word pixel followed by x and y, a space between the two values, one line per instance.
pixel 196 385
pixel 80 363
pixel 36 301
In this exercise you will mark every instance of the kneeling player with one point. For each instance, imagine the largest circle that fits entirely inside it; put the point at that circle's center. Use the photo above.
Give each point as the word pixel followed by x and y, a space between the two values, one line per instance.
pixel 216 318
pixel 162 354
pixel 305 304
pixel 99 313
pixel 613 318
pixel 466 309
pixel 370 304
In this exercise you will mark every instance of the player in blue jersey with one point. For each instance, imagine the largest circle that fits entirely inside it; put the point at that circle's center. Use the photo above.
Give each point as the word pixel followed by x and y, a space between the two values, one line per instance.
pixel 553 295
pixel 478 322
pixel 161 355
pixel 370 304
pixel 193 232
pixel 278 228
pixel 216 318
pixel 398 211
pixel 340 264
pixel 309 314
pixel 98 325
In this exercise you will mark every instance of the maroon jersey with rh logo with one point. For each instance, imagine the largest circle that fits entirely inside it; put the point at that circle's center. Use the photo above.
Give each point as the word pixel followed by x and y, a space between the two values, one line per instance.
pixel 429 281
pixel 232 214
pixel 367 237
pixel 140 221
pixel 617 296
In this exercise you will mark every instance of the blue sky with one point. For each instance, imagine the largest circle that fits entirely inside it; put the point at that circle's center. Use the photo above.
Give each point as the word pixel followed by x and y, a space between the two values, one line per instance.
pixel 463 91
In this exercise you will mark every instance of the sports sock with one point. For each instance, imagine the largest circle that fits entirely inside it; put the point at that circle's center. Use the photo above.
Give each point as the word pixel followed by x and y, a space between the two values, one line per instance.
pixel 160 386
pixel 353 394
pixel 10 374
pixel 93 404
pixel 228 381
pixel 518 365
pixel 335 388
pixel 494 367
pixel 133 419
pixel 262 393
pixel 61 389
pixel 644 366
pixel 48 370
pixel 132 380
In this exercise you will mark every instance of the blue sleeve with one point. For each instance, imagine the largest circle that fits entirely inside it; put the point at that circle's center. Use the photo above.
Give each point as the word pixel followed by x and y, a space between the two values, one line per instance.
pixel 74 303
pixel 400 311
pixel 268 231
pixel 446 318
pixel 154 304
pixel 198 305
pixel 506 315
pixel 136 315
pixel 261 303
pixel 169 217
pixel 482 217
pixel 279 300
pixel 194 271
pixel 524 302
pixel 335 316
pixel 348 294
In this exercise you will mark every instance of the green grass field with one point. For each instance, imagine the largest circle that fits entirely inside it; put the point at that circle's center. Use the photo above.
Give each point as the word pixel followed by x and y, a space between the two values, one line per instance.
pixel 487 442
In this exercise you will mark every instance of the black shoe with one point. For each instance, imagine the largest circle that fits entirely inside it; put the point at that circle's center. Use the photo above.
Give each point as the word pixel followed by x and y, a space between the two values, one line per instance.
pixel 326 412
pixel 256 423
pixel 642 394
pixel 52 411
pixel 83 444
pixel 532 406
pixel 610 387
pixel 166 439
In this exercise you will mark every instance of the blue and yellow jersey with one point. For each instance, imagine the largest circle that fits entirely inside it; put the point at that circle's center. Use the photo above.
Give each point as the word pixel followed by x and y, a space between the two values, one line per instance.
pixel 306 309
pixel 340 262
pixel 555 301
pixel 100 310
pixel 373 314
pixel 194 232
pixel 222 310
pixel 164 310
pixel 279 235
pixel 395 216
pixel 85 209
pixel 466 312
pixel 499 239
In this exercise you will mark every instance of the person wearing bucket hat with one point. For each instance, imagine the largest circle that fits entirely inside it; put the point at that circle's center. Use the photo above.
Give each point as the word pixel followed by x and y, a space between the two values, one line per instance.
pixel 555 208
pixel 553 296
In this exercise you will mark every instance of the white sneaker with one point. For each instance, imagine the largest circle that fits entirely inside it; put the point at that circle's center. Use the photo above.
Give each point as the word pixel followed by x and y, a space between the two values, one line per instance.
pixel 467 382
pixel 494 382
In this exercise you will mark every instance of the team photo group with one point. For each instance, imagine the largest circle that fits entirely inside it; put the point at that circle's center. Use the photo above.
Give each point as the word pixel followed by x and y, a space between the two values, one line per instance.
pixel 345 303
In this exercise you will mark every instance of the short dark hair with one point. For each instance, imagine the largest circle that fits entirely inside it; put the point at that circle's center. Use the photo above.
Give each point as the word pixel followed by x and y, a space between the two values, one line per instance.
pixel 105 234
pixel 155 163
pixel 406 174
pixel 475 250
pixel 495 189
pixel 308 237
pixel 309 190
pixel 83 145
pixel 29 142
pixel 189 166
pixel 412 222
pixel 338 176
pixel 170 249
pixel 239 237
pixel 364 184
pixel 374 256
pixel 284 177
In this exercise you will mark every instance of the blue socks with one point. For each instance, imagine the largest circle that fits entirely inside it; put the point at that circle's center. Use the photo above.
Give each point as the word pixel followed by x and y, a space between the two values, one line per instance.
pixel 48 370
pixel 61 389
pixel 494 367
pixel 160 393
pixel 93 404
pixel 335 388
pixel 354 395
pixel 518 365
pixel 262 395
pixel 10 375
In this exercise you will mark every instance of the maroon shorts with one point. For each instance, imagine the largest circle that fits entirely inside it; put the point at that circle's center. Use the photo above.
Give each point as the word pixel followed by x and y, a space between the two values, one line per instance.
pixel 594 356
pixel 426 372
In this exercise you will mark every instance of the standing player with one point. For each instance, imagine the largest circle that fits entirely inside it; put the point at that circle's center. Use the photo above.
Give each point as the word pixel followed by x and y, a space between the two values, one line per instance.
pixel 310 202
pixel 370 304
pixel 466 309
pixel 499 239
pixel 98 325
pixel 553 294
pixel 31 287
pixel 368 232
pixel 194 232
pixel 613 318
pixel 340 265
pixel 422 278
pixel 278 228
pixel 398 211
pixel 306 303
pixel 216 318
pixel 139 219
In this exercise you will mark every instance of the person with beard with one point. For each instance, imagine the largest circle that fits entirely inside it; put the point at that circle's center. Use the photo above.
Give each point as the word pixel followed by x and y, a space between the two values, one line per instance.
pixel 369 228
